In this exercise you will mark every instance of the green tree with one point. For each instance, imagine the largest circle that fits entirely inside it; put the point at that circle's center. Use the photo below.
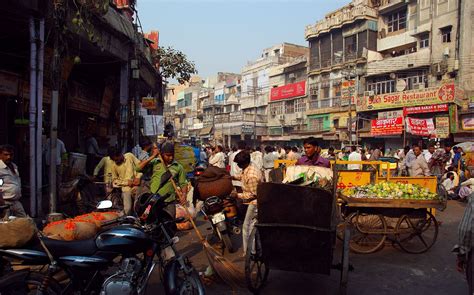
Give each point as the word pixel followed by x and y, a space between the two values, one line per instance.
pixel 174 64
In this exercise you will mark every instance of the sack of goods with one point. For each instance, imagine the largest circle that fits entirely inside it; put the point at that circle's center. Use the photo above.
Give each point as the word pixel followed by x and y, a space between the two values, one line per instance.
pixel 314 176
pixel 213 182
pixel 16 232
pixel 82 227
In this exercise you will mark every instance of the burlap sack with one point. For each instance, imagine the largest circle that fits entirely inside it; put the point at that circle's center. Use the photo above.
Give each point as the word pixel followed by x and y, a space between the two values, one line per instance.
pixel 221 187
pixel 17 232
pixel 71 230
pixel 98 217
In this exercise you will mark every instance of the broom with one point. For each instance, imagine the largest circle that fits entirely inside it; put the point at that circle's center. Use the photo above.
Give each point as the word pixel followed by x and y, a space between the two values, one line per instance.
pixel 226 270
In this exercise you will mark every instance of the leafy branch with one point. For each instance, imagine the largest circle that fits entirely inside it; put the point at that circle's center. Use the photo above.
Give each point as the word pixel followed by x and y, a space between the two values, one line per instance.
pixel 174 64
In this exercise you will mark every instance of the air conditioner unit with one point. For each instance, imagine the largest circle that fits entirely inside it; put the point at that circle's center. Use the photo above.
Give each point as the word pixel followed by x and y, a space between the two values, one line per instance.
pixel 446 52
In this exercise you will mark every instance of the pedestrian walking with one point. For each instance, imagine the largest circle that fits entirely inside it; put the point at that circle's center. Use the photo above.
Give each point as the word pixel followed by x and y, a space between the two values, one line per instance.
pixel 92 152
pixel 354 156
pixel 125 176
pixel 256 157
pixel 10 189
pixel 268 162
pixel 419 167
pixel 217 159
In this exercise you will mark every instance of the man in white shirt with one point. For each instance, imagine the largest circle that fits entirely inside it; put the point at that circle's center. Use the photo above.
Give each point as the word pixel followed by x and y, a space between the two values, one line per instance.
pixel 354 156
pixel 10 190
pixel 257 158
pixel 60 152
pixel 234 168
pixel 449 186
pixel 418 167
pixel 429 153
pixel 218 158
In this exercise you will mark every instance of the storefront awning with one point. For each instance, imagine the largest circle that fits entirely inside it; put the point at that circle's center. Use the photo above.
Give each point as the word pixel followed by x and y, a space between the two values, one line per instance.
pixel 206 130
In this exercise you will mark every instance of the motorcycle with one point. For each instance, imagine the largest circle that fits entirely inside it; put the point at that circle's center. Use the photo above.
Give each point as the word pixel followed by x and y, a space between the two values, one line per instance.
pixel 222 213
pixel 91 265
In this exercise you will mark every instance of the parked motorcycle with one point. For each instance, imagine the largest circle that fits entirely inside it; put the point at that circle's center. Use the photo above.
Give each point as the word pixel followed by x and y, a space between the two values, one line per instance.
pixel 91 265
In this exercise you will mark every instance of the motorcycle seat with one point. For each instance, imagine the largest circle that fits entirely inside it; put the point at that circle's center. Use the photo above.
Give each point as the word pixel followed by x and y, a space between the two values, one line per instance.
pixel 70 248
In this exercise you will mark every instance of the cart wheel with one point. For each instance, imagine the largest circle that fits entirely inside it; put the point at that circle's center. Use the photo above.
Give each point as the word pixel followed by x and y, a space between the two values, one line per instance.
pixel 342 225
pixel 368 234
pixel 416 234
pixel 256 270
pixel 345 262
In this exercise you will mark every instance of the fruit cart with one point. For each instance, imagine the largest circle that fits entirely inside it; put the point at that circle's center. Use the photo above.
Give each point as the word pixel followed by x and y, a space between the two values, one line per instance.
pixel 296 231
pixel 395 209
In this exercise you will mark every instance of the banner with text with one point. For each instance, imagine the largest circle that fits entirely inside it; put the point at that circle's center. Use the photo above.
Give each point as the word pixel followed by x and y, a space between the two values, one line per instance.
pixel 442 127
pixel 419 97
pixel 468 123
pixel 347 92
pixel 420 127
pixel 425 109
pixel 387 126
pixel 288 91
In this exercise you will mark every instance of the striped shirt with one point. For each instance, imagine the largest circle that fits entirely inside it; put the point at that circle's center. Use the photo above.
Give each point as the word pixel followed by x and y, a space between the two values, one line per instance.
pixel 251 177
pixel 465 229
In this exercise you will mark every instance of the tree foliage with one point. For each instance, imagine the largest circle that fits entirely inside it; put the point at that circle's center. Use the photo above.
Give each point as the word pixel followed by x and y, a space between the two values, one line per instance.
pixel 174 64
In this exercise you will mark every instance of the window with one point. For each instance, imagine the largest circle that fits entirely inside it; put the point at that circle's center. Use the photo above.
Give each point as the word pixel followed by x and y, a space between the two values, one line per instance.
pixel 300 105
pixel 276 108
pixel 336 88
pixel 424 40
pixel 415 80
pixel 289 107
pixel 446 35
pixel 397 21
pixel 384 85
pixel 316 124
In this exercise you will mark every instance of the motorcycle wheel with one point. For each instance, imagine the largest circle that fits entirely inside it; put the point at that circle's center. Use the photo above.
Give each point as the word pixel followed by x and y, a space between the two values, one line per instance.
pixel 26 285
pixel 177 281
pixel 227 241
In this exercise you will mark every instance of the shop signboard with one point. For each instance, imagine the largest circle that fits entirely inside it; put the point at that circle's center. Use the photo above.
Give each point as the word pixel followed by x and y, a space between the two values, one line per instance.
pixel 442 127
pixel 425 109
pixel 288 91
pixel 247 129
pixel 390 114
pixel 453 118
pixel 347 92
pixel 8 84
pixel 392 126
pixel 418 97
pixel 149 103
pixel 468 123
pixel 420 127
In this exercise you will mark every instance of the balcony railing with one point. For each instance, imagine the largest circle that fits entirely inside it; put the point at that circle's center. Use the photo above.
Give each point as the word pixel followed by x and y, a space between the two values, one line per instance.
pixel 347 14
pixel 325 103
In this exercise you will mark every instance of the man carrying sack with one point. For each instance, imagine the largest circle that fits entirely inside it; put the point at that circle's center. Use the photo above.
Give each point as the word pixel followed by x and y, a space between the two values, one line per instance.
pixel 159 170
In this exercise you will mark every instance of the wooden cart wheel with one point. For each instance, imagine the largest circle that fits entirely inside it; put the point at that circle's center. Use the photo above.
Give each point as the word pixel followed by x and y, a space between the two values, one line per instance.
pixel 416 234
pixel 368 233
pixel 256 269
pixel 345 261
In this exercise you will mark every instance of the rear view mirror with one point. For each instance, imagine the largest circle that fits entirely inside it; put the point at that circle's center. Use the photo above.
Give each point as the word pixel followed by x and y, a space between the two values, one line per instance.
pixel 106 204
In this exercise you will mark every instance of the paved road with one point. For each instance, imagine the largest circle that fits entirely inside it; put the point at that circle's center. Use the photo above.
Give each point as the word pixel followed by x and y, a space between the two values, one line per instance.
pixel 388 271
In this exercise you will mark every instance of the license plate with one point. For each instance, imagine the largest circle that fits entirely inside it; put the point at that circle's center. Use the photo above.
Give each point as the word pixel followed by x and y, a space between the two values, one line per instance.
pixel 218 218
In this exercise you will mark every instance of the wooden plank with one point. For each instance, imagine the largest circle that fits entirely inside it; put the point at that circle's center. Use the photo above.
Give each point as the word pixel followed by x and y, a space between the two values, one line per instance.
pixel 390 203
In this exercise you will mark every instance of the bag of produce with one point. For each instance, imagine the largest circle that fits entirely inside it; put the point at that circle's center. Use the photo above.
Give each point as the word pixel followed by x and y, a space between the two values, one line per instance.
pixel 98 217
pixel 16 232
pixel 71 230
pixel 315 176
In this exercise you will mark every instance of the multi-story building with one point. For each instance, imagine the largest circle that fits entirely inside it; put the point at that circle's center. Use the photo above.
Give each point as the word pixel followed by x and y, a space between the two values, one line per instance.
pixel 287 101
pixel 255 88
pixel 338 48
pixel 411 83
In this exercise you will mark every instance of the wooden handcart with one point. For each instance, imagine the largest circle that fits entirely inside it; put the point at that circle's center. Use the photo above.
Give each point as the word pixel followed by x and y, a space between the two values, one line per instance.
pixel 296 231
pixel 408 224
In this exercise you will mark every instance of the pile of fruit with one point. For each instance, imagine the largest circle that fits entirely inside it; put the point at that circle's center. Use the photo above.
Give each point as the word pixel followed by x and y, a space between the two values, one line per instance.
pixel 390 190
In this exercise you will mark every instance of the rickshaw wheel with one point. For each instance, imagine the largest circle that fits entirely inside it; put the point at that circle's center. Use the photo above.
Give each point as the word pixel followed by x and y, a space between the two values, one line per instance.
pixel 368 233
pixel 256 269
pixel 416 234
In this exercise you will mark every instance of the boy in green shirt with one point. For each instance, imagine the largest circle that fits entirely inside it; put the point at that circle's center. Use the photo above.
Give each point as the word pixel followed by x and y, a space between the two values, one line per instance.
pixel 177 171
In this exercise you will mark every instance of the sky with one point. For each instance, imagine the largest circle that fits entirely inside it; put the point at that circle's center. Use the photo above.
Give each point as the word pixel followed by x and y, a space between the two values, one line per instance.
pixel 222 36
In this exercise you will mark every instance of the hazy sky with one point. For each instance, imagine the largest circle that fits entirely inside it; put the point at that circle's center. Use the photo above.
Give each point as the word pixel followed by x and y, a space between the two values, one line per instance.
pixel 222 35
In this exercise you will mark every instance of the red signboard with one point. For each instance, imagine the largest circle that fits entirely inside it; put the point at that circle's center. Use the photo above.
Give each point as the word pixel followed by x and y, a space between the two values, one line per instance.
pixel 420 127
pixel 288 91
pixel 387 126
pixel 425 109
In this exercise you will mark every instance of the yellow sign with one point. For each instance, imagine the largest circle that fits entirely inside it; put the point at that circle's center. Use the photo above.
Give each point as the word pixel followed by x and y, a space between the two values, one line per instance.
pixel 428 96
pixel 149 103
pixel 442 127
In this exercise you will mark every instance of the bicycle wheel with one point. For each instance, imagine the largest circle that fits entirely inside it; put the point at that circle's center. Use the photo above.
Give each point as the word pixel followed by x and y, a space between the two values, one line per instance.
pixel 256 269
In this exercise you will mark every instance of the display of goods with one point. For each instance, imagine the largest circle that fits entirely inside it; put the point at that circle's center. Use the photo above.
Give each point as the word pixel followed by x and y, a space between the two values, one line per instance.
pixel 391 190
pixel 16 232
pixel 220 188
pixel 313 176
pixel 71 230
